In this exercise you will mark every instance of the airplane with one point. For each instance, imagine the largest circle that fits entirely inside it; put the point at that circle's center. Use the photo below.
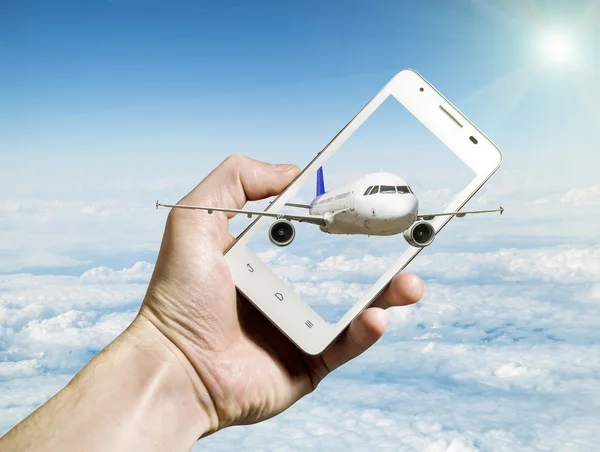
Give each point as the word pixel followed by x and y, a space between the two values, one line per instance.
pixel 380 204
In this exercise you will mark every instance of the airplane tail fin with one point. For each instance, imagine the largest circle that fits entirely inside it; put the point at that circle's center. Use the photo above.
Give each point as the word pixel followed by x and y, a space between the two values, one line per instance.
pixel 320 182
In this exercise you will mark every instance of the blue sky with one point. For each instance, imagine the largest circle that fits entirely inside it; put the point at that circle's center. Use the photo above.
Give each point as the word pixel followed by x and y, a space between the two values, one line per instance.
pixel 106 106
pixel 89 80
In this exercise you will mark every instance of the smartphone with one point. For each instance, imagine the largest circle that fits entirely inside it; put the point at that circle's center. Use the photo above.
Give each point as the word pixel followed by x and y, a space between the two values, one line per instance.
pixel 377 195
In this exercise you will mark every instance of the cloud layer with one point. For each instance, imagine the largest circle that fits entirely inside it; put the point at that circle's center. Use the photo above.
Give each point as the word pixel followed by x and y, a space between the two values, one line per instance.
pixel 501 354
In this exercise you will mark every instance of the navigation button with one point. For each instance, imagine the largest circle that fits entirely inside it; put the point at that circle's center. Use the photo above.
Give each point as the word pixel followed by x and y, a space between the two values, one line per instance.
pixel 250 269
pixel 278 296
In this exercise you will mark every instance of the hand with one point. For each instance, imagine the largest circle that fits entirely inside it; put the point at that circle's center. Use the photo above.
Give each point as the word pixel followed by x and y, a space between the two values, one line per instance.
pixel 243 369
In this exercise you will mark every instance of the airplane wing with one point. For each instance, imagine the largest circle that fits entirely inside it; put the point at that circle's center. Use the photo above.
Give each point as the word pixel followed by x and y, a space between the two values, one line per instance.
pixel 431 216
pixel 293 204
pixel 312 219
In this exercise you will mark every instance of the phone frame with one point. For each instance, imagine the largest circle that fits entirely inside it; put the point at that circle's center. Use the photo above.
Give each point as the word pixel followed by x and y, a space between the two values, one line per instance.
pixel 275 299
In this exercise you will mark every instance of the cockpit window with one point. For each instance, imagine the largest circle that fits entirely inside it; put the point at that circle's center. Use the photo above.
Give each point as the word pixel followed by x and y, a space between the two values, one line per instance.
pixel 388 189
pixel 403 189
pixel 368 190
pixel 375 190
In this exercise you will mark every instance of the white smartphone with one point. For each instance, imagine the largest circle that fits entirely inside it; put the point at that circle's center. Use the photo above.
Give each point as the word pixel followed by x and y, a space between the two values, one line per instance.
pixel 312 265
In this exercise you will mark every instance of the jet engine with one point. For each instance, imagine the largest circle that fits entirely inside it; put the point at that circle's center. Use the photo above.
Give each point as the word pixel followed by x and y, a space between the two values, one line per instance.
pixel 282 233
pixel 420 234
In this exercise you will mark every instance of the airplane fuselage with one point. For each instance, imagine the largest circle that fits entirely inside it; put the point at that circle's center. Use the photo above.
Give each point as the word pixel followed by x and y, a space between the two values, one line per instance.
pixel 377 204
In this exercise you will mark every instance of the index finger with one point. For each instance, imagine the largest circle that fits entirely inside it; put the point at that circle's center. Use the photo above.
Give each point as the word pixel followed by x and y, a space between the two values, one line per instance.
pixel 239 179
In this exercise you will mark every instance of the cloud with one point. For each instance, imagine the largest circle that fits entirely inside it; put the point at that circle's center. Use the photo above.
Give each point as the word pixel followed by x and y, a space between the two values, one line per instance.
pixel 74 327
pixel 556 264
pixel 61 321
pixel 574 197
pixel 499 338
pixel 140 272
pixel 41 233
pixel 588 196
pixel 511 370
pixel 561 264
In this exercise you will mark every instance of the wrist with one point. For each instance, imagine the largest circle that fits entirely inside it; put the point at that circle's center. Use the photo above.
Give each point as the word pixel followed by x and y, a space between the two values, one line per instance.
pixel 168 383
pixel 142 393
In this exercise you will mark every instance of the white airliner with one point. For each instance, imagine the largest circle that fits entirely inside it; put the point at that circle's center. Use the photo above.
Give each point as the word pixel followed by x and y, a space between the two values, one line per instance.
pixel 377 204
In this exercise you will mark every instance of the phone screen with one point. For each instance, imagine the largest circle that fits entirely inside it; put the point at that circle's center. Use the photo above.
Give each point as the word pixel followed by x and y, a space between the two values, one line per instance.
pixel 391 162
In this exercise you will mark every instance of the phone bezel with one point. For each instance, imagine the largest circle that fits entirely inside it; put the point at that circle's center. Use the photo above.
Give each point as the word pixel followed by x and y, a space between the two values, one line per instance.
pixel 276 300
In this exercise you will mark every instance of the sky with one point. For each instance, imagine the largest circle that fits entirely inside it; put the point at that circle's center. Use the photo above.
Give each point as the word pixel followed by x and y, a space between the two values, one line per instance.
pixel 106 106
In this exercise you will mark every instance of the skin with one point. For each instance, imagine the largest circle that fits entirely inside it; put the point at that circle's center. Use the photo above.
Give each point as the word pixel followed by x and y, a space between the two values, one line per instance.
pixel 198 357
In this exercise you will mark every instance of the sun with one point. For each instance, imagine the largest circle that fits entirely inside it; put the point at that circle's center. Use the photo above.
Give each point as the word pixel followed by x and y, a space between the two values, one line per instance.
pixel 558 48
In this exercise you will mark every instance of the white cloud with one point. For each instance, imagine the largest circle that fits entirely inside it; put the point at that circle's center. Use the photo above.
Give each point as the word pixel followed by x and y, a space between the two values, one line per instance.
pixel 368 264
pixel 58 321
pixel 572 202
pixel 41 233
pixel 557 264
pixel 24 368
pixel 329 292
pixel 140 272
pixel 588 196
pixel 498 336
pixel 74 327
pixel 560 264
pixel 511 370
pixel 25 295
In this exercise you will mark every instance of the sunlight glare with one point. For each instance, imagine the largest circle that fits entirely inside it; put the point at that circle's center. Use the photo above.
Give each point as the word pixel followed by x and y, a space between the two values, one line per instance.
pixel 558 48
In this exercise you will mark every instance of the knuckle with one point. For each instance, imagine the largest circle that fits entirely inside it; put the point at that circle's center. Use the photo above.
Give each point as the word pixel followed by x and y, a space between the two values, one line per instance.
pixel 176 215
pixel 173 216
pixel 235 160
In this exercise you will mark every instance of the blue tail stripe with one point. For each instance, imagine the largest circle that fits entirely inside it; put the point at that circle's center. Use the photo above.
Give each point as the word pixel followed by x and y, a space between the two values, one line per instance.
pixel 320 182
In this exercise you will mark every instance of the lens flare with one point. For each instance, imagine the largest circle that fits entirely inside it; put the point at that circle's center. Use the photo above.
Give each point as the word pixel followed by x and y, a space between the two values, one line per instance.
pixel 558 48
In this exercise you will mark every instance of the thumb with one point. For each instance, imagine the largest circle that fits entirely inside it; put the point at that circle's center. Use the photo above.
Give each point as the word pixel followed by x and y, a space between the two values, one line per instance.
pixel 239 179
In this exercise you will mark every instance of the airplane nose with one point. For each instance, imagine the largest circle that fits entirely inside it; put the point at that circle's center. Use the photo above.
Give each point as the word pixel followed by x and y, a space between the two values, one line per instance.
pixel 392 214
pixel 414 205
pixel 402 206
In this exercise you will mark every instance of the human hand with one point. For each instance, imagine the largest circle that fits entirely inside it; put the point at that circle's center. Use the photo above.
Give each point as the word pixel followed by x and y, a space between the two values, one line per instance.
pixel 242 367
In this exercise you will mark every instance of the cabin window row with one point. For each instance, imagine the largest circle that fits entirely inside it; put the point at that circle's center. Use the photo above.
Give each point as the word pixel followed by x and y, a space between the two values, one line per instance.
pixel 387 189
pixel 323 201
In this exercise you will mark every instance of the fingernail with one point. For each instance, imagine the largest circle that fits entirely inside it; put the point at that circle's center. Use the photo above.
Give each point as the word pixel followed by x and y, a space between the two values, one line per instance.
pixel 283 167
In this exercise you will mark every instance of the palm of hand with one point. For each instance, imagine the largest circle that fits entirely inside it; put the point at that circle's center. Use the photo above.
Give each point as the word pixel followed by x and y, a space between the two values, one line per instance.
pixel 250 369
